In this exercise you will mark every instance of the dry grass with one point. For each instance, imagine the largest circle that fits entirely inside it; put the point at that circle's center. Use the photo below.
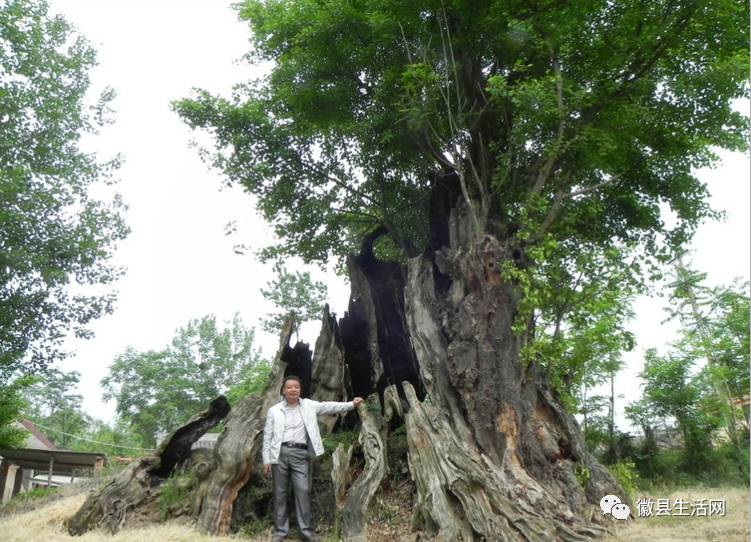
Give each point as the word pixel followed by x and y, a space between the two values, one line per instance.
pixel 733 527
pixel 46 523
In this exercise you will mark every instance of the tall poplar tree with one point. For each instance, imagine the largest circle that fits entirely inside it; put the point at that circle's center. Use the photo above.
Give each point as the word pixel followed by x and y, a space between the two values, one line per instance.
pixel 53 232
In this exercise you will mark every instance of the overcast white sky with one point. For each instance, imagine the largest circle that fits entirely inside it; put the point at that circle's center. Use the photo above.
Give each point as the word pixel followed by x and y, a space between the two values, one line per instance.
pixel 180 264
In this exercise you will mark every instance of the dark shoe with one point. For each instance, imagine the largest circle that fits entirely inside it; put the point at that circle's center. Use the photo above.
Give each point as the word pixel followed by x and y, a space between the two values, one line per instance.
pixel 313 538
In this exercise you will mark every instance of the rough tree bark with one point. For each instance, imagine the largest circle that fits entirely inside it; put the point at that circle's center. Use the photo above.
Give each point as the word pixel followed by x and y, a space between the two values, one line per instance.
pixel 355 509
pixel 492 452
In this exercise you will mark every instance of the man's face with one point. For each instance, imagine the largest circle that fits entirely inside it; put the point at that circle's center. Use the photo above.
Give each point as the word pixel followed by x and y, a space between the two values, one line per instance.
pixel 291 390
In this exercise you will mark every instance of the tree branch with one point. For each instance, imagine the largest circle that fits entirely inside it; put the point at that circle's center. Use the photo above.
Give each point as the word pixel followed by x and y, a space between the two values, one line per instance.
pixel 341 184
pixel 556 206
pixel 547 168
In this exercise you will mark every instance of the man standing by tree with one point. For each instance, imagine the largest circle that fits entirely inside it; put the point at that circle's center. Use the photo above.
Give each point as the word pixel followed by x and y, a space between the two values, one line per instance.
pixel 291 427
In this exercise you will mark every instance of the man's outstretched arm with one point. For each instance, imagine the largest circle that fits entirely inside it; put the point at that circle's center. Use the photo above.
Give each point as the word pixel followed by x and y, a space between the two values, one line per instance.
pixel 334 407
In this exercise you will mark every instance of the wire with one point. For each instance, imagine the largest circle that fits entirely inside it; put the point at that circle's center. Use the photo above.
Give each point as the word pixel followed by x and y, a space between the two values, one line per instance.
pixel 90 440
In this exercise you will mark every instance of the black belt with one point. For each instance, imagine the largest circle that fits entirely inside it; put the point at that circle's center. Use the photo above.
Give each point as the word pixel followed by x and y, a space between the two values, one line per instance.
pixel 295 445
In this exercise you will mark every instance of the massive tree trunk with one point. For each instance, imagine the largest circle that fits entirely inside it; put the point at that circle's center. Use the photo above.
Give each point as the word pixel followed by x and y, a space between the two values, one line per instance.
pixel 492 452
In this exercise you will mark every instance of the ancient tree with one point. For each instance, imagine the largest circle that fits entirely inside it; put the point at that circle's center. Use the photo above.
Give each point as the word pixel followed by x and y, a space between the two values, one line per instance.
pixel 459 159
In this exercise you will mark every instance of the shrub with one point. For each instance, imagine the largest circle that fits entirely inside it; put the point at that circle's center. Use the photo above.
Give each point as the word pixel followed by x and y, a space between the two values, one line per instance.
pixel 174 493
pixel 626 475
pixel 333 440
pixel 34 498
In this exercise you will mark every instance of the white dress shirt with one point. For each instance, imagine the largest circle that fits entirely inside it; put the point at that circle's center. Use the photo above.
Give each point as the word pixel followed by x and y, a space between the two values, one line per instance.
pixel 294 428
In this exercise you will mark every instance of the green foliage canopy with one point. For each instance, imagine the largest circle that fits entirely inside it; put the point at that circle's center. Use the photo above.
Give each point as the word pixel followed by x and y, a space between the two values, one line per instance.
pixel 52 232
pixel 576 121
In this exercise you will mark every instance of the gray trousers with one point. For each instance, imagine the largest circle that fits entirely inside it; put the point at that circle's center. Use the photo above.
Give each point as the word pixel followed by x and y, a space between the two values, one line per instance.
pixel 293 463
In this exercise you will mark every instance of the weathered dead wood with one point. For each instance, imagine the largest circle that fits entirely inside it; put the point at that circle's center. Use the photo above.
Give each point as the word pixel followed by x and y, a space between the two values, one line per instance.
pixel 329 381
pixel 140 481
pixel 341 474
pixel 355 510
pixel 491 451
pixel 234 459
pixel 238 445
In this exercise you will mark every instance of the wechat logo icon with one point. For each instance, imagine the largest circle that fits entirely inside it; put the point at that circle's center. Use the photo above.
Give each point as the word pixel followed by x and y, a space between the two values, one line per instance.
pixel 611 504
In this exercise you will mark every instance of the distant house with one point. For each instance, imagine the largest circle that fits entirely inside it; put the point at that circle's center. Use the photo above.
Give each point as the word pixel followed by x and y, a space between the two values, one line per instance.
pixel 40 464
pixel 36 440
pixel 207 440
pixel 667 437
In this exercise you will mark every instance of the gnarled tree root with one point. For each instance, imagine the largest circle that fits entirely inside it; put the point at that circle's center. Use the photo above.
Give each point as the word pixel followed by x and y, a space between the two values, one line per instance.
pixel 462 495
pixel 140 481
pixel 355 509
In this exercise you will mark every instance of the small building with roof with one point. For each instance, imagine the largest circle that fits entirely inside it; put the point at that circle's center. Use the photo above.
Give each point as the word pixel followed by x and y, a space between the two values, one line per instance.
pixel 39 463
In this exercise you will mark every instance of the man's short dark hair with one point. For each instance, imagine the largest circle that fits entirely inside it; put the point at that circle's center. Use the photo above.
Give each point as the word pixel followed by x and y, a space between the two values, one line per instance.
pixel 290 377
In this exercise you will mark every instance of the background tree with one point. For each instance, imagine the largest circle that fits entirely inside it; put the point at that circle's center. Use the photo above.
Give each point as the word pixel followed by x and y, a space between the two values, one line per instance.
pixel 728 333
pixel 138 381
pixel 294 294
pixel 701 312
pixel 580 319
pixel 116 439
pixel 671 391
pixel 53 233
pixel 55 238
pixel 53 404
pixel 12 404
pixel 595 424
pixel 681 387
pixel 253 381
pixel 157 391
